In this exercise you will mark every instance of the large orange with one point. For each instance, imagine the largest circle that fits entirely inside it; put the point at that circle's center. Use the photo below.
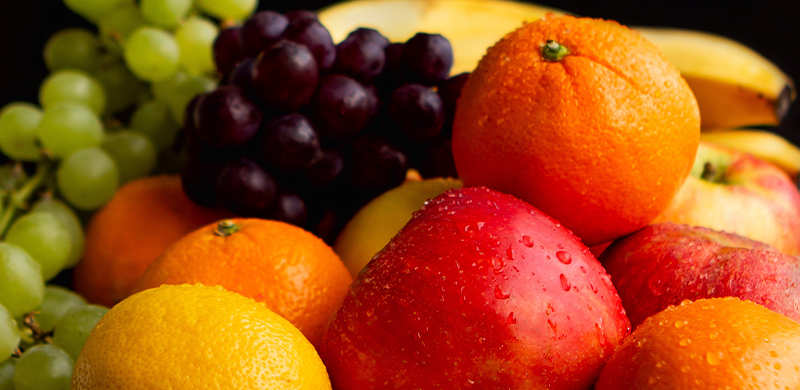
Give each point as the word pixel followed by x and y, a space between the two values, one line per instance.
pixel 718 343
pixel 292 271
pixel 584 119
pixel 126 235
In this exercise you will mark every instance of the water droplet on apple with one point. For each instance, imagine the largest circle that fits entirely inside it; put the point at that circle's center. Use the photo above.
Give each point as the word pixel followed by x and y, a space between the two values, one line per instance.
pixel 564 282
pixel 680 323
pixel 499 294
pixel 592 287
pixel 497 265
pixel 512 319
pixel 552 325
pixel 583 269
pixel 527 241
pixel 684 342
pixel 510 254
pixel 655 285
pixel 564 257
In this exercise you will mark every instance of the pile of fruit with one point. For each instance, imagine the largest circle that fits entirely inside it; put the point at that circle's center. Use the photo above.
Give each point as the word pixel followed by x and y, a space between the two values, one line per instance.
pixel 207 195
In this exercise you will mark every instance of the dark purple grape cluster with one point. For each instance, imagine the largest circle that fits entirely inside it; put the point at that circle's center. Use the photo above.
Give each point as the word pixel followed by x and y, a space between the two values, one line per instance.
pixel 307 131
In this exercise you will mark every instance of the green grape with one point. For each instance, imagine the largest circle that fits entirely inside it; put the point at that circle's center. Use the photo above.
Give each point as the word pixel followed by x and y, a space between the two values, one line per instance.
pixel 165 13
pixel 70 220
pixel 227 9
pixel 72 86
pixel 45 239
pixel 18 124
pixel 117 27
pixel 72 330
pixel 152 54
pixel 196 40
pixel 74 48
pixel 122 88
pixel 43 367
pixel 21 284
pixel 58 301
pixel 9 337
pixel 69 127
pixel 153 120
pixel 94 10
pixel 7 374
pixel 133 152
pixel 88 178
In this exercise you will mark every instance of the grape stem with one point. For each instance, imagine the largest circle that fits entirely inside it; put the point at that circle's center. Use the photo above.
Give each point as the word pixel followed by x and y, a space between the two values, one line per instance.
pixel 18 199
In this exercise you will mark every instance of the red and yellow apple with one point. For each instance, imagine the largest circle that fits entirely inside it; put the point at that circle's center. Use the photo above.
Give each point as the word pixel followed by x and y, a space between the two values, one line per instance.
pixel 479 290
pixel 664 264
pixel 738 193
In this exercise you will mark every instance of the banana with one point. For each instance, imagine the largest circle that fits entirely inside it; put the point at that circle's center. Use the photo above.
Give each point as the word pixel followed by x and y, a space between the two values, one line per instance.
pixel 762 144
pixel 734 85
pixel 470 25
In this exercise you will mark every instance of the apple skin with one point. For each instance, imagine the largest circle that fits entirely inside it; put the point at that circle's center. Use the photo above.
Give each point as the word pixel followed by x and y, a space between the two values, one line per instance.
pixel 664 264
pixel 472 294
pixel 748 196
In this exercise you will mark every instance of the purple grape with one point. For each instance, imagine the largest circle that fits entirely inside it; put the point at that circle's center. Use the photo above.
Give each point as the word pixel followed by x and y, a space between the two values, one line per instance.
pixel 341 107
pixel 285 76
pixel 225 117
pixel 375 165
pixel 392 75
pixel 199 173
pixel 245 188
pixel 288 207
pixel 371 35
pixel 427 59
pixel 317 38
pixel 242 74
pixel 301 14
pixel 359 58
pixel 325 170
pixel 262 30
pixel 290 143
pixel 417 112
pixel 436 159
pixel 450 91
pixel 189 129
pixel 228 49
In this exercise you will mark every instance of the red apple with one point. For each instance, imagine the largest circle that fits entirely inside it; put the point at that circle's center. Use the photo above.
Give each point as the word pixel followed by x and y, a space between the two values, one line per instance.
pixel 480 290
pixel 738 193
pixel 664 264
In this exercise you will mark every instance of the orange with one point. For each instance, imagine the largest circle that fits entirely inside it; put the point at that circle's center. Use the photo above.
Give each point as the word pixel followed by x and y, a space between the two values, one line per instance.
pixel 292 271
pixel 718 343
pixel 583 118
pixel 196 337
pixel 124 237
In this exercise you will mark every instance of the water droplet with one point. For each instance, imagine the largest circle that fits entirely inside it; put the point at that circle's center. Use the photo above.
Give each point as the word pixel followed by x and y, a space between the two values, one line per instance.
pixel 512 319
pixel 714 358
pixel 510 254
pixel 498 293
pixel 777 366
pixel 685 369
pixel 552 325
pixel 655 285
pixel 497 265
pixel 560 246
pixel 583 269
pixel 652 380
pixel 684 342
pixel 565 282
pixel 712 336
pixel 659 364
pixel 592 287
pixel 773 354
pixel 564 257
pixel 527 241
pixel 756 367
pixel 680 323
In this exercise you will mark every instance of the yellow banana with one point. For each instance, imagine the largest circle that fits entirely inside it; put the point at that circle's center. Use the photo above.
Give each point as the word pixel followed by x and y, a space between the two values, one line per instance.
pixel 734 85
pixel 762 144
pixel 470 25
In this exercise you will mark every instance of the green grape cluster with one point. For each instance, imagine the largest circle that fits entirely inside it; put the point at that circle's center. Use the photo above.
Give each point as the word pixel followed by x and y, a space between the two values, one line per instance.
pixel 108 113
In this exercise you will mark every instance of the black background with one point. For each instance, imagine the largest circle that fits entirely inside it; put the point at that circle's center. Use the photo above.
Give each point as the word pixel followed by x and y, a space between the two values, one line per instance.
pixel 770 27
